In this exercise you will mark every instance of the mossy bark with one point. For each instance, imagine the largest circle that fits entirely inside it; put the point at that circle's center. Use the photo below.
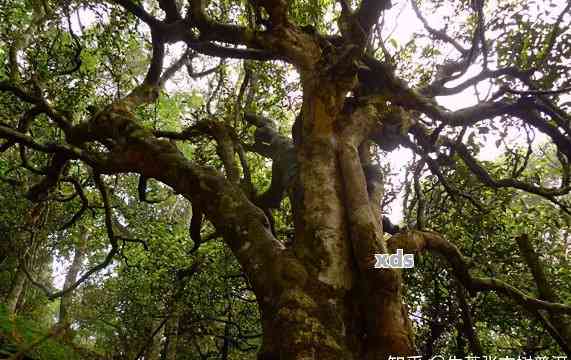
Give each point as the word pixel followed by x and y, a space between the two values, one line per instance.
pixel 332 304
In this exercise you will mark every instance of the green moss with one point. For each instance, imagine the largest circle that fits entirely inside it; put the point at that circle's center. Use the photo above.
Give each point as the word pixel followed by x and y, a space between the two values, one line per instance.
pixel 293 271
pixel 306 330
pixel 295 298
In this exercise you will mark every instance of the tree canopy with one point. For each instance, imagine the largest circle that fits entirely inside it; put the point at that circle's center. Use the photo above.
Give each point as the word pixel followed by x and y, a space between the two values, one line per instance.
pixel 192 179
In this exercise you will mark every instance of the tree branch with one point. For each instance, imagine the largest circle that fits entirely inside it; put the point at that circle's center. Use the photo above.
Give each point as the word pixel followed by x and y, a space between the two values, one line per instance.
pixel 369 11
pixel 139 12
pixel 438 34
pixel 270 143
pixel 420 241
pixel 421 133
pixel 108 258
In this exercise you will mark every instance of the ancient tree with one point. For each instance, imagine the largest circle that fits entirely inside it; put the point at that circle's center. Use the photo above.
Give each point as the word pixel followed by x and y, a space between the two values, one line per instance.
pixel 318 293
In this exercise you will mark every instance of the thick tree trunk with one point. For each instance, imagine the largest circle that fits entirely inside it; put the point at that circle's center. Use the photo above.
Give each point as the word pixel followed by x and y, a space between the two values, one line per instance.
pixel 336 306
pixel 319 298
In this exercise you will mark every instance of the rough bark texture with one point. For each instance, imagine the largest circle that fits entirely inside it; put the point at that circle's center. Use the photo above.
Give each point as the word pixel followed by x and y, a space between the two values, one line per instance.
pixel 319 299
pixel 340 308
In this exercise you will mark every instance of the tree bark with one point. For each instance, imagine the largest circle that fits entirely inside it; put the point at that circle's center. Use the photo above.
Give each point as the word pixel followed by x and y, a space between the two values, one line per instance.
pixel 319 298
pixel 338 306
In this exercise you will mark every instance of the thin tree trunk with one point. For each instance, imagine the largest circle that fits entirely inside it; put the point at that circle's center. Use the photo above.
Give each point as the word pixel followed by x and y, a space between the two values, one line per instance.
pixel 16 290
pixel 225 343
pixel 468 327
pixel 544 288
pixel 154 348
pixel 26 238
pixel 171 337
pixel 71 277
pixel 13 298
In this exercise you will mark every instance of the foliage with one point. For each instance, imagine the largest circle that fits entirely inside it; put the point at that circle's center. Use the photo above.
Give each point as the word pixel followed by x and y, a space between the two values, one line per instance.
pixel 18 334
pixel 173 148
